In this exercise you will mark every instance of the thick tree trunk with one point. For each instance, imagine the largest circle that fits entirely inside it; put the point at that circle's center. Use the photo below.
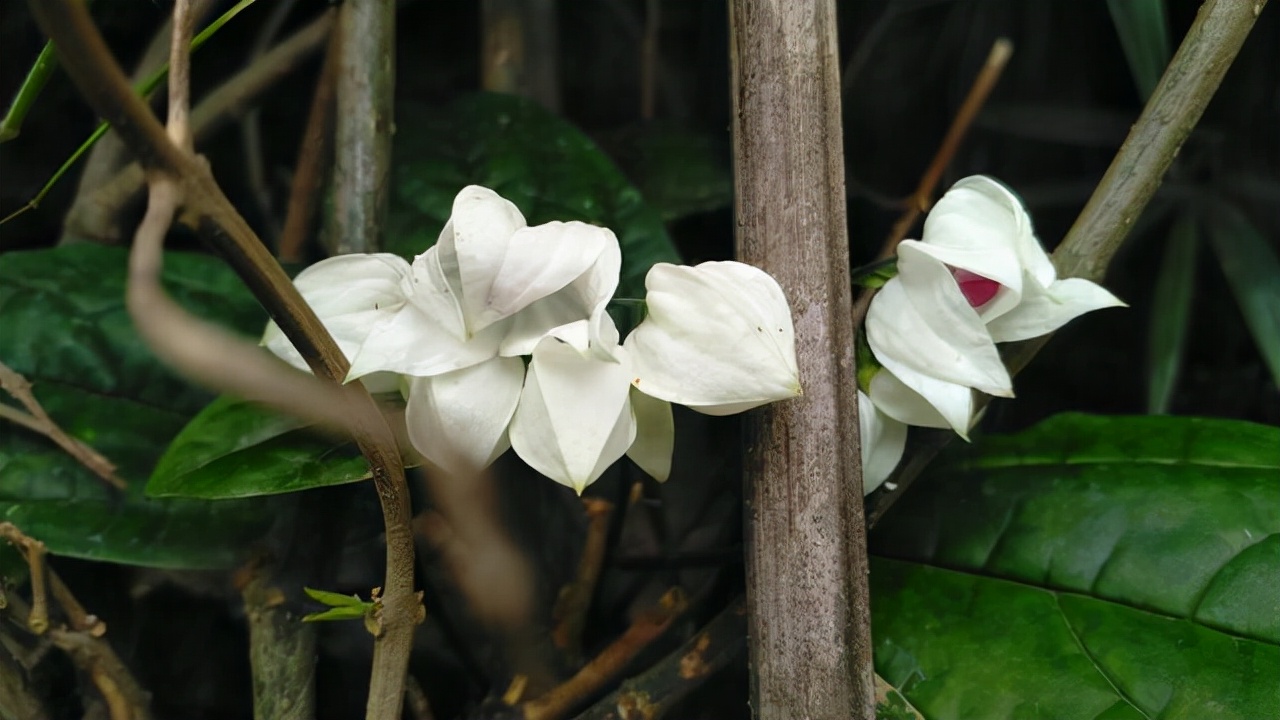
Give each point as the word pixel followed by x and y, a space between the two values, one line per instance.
pixel 806 549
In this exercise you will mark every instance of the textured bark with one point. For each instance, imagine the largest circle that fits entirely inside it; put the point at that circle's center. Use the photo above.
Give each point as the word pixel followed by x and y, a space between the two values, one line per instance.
pixel 809 617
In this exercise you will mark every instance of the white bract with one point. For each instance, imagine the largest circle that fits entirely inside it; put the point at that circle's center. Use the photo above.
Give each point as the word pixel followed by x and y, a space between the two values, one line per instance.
pixel 718 338
pixel 451 329
pixel 977 276
pixel 883 442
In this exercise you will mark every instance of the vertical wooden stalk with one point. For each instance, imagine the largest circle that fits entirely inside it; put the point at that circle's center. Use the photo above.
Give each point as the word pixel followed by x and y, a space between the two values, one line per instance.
pixel 809 615
pixel 362 144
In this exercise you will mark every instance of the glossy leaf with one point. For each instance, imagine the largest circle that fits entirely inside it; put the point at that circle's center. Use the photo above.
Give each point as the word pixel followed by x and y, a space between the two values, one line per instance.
pixel 1089 567
pixel 64 326
pixel 1252 267
pixel 1171 313
pixel 234 449
pixel 547 167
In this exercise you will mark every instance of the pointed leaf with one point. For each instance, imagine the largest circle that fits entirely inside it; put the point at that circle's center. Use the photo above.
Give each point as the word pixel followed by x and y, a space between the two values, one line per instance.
pixel 234 449
pixel 64 326
pixel 1099 567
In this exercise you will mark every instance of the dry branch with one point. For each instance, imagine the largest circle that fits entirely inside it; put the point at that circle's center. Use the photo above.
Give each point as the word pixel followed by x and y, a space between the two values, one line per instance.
pixel 807 598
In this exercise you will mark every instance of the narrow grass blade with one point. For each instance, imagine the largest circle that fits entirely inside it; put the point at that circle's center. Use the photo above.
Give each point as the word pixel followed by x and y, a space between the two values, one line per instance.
pixel 1171 313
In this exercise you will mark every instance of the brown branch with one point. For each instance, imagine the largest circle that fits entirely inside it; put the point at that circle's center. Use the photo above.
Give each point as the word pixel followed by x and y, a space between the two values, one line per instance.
pixel 125 699
pixel 492 573
pixel 38 420
pixel 219 107
pixel 807 596
pixel 88 217
pixel 922 199
pixel 571 607
pixel 661 688
pixel 33 552
pixel 251 123
pixel 1133 177
pixel 314 154
pixel 100 80
pixel 610 663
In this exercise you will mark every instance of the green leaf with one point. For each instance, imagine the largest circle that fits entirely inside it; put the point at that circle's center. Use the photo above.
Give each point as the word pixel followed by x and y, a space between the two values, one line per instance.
pixel 678 171
pixel 1088 567
pixel 547 167
pixel 1171 314
pixel 334 614
pixel 234 449
pixel 1252 268
pixel 333 599
pixel 1144 36
pixel 64 326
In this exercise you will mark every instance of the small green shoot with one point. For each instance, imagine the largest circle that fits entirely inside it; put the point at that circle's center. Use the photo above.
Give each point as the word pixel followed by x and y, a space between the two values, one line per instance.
pixel 341 607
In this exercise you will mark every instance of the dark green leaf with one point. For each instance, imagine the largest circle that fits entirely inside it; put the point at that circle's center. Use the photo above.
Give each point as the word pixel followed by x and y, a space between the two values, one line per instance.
pixel 1171 314
pixel 544 165
pixel 1253 272
pixel 1088 567
pixel 237 449
pixel 64 326
pixel 1144 35
pixel 679 172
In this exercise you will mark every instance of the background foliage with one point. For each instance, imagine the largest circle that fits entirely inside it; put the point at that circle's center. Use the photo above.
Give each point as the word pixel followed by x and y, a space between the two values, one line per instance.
pixel 1087 567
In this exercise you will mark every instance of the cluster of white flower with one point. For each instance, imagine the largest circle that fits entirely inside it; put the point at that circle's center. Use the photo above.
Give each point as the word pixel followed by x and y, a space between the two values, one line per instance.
pixel 978 276
pixel 452 329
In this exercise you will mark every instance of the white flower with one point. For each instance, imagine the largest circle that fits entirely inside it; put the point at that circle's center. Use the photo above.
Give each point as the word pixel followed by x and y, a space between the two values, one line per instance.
pixel 578 415
pixel 977 277
pixel 718 338
pixel 883 442
pixel 451 328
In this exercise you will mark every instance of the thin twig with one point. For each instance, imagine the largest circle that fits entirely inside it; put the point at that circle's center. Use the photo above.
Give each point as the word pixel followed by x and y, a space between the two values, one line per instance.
pixel 251 125
pixel 314 154
pixel 125 698
pixel 79 618
pixel 575 599
pixel 219 107
pixel 659 689
pixel 33 552
pixel 492 573
pixel 610 663
pixel 38 420
pixel 922 198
